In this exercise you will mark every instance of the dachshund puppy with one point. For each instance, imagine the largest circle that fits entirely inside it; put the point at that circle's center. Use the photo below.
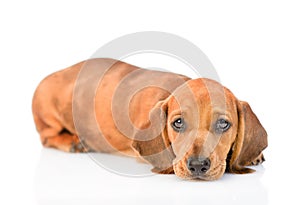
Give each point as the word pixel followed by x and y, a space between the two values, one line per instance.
pixel 195 128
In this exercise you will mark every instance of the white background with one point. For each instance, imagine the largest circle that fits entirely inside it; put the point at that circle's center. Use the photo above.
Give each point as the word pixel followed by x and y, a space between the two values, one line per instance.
pixel 254 46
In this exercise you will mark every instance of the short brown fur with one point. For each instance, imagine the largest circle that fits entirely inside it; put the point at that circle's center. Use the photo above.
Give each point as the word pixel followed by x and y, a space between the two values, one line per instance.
pixel 200 101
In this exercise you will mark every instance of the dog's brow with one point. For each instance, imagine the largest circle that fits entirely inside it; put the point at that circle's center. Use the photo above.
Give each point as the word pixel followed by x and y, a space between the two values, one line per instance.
pixel 179 112
pixel 176 112
pixel 220 112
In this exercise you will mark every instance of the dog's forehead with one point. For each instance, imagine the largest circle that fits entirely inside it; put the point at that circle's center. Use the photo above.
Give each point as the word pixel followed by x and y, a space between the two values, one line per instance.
pixel 203 93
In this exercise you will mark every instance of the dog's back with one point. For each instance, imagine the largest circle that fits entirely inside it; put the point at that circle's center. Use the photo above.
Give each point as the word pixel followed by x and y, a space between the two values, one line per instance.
pixel 54 97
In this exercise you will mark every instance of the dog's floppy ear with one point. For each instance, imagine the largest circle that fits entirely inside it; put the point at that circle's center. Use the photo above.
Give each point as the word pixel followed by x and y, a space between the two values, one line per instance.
pixel 250 141
pixel 153 145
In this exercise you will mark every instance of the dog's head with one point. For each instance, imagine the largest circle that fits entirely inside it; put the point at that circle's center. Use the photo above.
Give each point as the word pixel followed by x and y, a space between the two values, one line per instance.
pixel 203 129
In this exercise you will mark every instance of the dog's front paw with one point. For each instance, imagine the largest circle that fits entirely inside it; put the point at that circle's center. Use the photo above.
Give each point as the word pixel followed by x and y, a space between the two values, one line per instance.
pixel 79 147
pixel 258 160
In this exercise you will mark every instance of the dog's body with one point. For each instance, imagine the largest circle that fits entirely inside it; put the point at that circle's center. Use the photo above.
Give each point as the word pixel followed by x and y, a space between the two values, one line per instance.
pixel 168 119
pixel 52 105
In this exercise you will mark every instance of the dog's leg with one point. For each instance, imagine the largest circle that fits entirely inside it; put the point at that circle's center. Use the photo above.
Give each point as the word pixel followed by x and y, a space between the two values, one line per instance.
pixel 258 160
pixel 54 135
pixel 65 142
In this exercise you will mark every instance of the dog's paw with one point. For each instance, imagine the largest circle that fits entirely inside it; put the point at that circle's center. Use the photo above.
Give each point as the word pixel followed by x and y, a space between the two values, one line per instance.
pixel 79 147
pixel 258 160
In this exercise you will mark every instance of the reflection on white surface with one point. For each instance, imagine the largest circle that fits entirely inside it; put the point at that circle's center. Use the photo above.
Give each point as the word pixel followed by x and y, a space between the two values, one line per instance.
pixel 124 166
pixel 63 178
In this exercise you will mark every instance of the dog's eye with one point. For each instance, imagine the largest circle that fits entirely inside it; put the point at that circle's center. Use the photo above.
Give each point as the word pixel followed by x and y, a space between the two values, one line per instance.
pixel 222 126
pixel 178 125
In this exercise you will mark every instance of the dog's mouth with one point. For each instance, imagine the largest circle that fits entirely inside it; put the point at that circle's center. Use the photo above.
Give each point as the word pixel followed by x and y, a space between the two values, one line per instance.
pixel 213 173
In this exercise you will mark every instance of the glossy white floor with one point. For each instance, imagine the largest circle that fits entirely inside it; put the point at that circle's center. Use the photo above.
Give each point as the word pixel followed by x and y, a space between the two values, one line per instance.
pixel 254 47
pixel 62 178
pixel 75 179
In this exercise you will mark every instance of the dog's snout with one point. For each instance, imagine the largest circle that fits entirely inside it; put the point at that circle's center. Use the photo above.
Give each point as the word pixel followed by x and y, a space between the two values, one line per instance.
pixel 198 165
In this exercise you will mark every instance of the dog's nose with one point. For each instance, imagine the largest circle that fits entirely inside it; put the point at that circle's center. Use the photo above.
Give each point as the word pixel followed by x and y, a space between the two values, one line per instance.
pixel 198 165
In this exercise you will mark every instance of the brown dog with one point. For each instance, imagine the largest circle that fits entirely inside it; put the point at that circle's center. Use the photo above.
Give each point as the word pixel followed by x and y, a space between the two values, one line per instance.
pixel 194 127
